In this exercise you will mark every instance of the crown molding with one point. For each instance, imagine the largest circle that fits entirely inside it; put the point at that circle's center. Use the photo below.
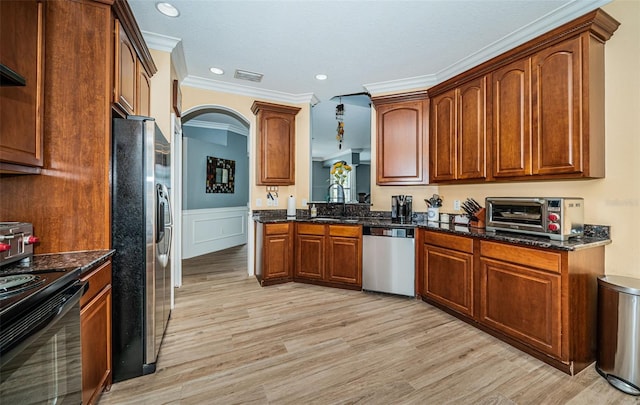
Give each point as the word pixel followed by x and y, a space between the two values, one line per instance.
pixel 217 126
pixel 543 24
pixel 249 91
pixel 160 42
pixel 411 83
pixel 169 44
pixel 546 23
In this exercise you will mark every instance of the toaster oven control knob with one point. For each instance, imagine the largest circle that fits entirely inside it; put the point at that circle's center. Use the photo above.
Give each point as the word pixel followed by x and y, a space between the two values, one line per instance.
pixel 31 240
pixel 554 227
pixel 554 217
pixel 4 247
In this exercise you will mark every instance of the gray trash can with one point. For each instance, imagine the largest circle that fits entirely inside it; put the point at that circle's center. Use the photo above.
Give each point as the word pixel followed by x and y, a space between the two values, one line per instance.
pixel 618 357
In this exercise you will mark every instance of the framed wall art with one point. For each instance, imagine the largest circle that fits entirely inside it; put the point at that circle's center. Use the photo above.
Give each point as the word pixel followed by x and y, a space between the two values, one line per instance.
pixel 220 175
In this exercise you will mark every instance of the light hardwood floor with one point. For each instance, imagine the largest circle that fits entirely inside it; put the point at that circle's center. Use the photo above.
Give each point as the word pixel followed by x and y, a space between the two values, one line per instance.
pixel 229 341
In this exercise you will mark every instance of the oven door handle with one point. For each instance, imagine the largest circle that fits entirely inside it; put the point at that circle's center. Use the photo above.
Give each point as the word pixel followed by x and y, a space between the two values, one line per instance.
pixel 21 334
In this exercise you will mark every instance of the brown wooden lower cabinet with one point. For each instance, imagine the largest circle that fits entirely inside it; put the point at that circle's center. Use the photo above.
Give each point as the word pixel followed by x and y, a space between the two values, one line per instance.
pixel 274 253
pixel 329 255
pixel 448 276
pixel 344 264
pixel 541 301
pixel 310 251
pixel 536 296
pixel 95 331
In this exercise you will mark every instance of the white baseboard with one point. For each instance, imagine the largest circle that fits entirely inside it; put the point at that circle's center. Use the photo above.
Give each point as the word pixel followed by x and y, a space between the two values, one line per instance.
pixel 209 230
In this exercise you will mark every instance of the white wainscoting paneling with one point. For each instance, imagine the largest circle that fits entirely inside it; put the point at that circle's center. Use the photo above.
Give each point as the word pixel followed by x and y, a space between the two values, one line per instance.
pixel 213 229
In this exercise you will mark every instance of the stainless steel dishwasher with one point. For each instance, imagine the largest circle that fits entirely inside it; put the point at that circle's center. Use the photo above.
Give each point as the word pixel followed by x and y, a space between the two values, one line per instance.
pixel 388 259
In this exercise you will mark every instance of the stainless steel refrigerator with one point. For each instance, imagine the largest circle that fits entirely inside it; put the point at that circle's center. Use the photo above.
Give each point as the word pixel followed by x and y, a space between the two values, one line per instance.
pixel 141 235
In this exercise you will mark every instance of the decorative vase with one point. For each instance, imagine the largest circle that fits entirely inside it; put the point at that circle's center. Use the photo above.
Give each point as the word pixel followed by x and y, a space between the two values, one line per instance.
pixel 336 193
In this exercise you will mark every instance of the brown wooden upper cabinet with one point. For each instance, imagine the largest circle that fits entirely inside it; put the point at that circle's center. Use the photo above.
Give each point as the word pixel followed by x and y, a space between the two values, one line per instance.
pixel 132 87
pixel 458 133
pixel 143 91
pixel 547 112
pixel 21 99
pixel 126 73
pixel 512 120
pixel 401 142
pixel 276 130
pixel 534 112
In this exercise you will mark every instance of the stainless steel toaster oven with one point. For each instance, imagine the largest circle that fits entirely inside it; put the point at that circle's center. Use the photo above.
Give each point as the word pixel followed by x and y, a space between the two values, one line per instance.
pixel 558 218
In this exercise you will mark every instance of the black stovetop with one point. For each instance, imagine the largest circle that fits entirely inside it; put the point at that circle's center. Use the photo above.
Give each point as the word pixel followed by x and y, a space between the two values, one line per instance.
pixel 42 283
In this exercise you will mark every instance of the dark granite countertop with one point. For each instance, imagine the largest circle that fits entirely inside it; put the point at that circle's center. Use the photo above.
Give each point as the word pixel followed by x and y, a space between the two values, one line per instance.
pixel 79 262
pixel 593 239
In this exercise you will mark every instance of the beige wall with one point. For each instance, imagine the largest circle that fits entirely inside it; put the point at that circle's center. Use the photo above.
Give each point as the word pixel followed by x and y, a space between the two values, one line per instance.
pixel 161 87
pixel 614 200
pixel 194 97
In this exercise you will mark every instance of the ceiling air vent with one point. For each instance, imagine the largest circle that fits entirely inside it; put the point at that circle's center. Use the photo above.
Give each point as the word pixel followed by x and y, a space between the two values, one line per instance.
pixel 245 75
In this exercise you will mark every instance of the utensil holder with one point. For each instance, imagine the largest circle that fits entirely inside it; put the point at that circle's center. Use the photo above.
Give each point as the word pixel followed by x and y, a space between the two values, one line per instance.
pixel 480 223
pixel 433 214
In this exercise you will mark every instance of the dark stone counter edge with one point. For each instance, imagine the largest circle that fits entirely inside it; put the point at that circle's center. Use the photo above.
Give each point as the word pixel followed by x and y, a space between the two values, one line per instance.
pixel 80 261
pixel 584 242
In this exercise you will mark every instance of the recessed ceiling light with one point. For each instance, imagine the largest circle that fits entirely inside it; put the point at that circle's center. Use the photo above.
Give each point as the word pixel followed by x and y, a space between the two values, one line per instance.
pixel 216 71
pixel 321 77
pixel 167 9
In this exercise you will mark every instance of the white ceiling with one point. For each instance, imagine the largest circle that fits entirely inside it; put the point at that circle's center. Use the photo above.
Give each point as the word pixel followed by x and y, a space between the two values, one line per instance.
pixel 376 46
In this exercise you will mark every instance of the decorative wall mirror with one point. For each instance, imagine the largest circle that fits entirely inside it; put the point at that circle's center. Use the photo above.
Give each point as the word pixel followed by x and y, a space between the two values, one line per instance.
pixel 220 175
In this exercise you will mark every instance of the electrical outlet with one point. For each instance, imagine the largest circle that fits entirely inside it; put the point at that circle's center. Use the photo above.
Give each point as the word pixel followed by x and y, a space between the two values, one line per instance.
pixel 269 202
pixel 258 202
pixel 304 202
pixel 456 205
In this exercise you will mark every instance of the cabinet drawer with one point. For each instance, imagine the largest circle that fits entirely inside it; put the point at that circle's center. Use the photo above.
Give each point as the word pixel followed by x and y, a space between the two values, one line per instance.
pixel 550 261
pixel 345 230
pixel 310 229
pixel 449 241
pixel 98 279
pixel 276 229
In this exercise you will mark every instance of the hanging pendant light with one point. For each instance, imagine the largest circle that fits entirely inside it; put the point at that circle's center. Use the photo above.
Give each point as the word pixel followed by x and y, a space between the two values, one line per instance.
pixel 340 118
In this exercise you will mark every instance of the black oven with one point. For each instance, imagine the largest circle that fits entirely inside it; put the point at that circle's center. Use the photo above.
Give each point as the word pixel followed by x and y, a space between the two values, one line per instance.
pixel 40 351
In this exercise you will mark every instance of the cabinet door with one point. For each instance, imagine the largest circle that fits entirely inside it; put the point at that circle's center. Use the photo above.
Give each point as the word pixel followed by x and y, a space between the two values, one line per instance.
pixel 512 119
pixel 276 129
pixel 21 106
pixel 448 278
pixel 277 256
pixel 125 71
pixel 471 130
pixel 345 260
pixel 442 137
pixel 522 302
pixel 401 143
pixel 310 256
pixel 143 92
pixel 557 98
pixel 95 327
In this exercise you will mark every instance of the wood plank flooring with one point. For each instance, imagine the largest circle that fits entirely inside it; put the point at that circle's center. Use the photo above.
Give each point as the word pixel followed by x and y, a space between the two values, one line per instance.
pixel 229 341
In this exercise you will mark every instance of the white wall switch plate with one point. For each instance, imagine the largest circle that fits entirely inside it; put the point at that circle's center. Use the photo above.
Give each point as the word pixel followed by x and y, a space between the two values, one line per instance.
pixel 456 205
pixel 304 202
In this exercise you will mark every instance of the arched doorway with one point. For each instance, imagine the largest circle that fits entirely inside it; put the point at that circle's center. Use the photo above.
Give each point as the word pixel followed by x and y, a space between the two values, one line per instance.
pixel 212 138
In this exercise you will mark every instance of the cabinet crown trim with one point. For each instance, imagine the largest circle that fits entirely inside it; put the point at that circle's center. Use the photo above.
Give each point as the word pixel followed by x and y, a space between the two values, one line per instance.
pixel 400 97
pixel 260 105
